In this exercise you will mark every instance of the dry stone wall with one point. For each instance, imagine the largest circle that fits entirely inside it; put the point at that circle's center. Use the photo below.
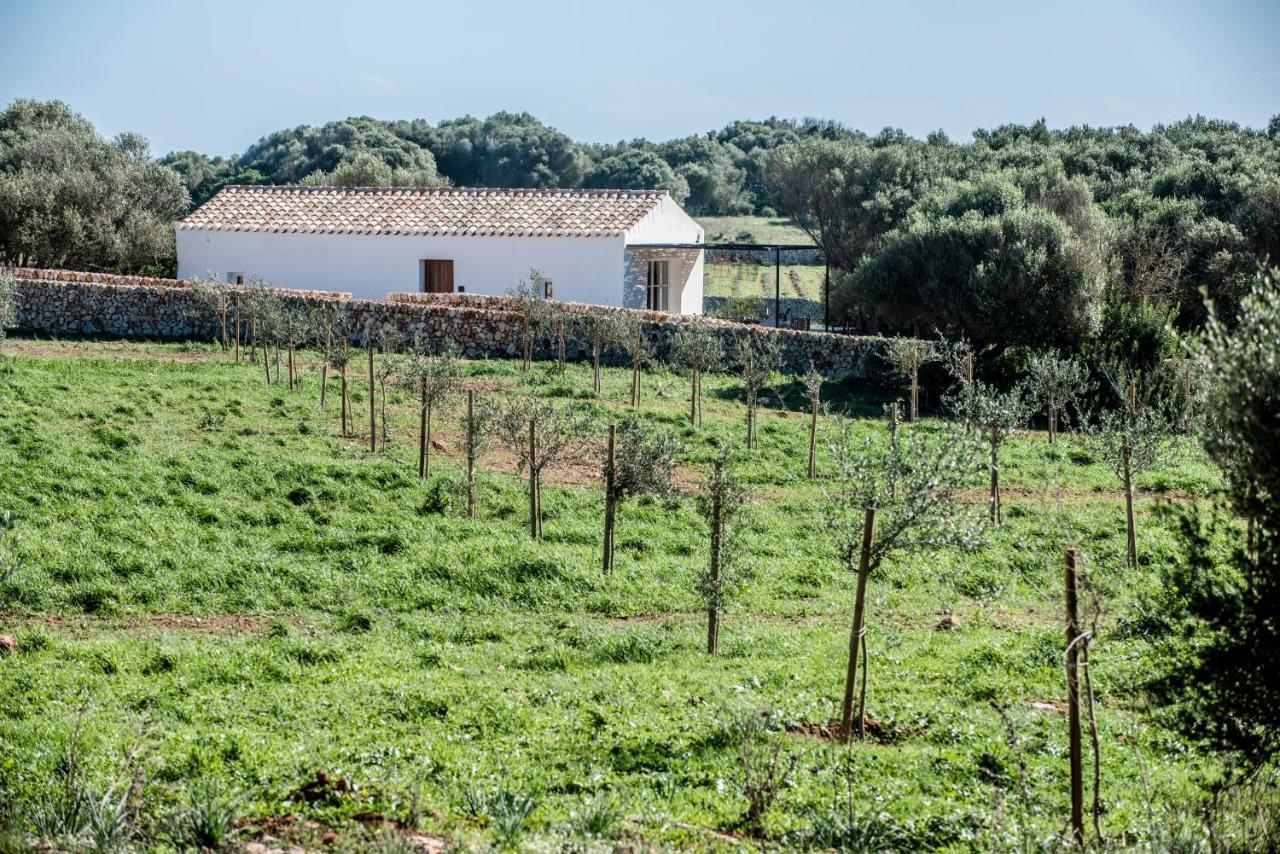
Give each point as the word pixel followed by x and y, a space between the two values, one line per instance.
pixel 62 302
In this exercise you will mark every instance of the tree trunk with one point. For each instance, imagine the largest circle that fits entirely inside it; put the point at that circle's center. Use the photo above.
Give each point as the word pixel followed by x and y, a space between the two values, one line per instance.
pixel 813 438
pixel 346 400
pixel 1053 422
pixel 528 347
pixel 693 398
pixel 535 521
pixel 595 368
pixel 1073 702
pixel 713 607
pixel 1130 522
pixel 266 363
pixel 859 627
pixel 373 411
pixel 635 384
pixel 893 448
pixel 994 466
pixel 324 368
pixel 915 389
pixel 471 454
pixel 424 417
pixel 291 373
pixel 277 349
pixel 560 348
pixel 751 426
pixel 610 501
pixel 237 313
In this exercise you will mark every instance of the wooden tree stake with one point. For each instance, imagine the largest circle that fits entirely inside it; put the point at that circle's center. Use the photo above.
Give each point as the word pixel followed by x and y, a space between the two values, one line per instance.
pixel 1073 700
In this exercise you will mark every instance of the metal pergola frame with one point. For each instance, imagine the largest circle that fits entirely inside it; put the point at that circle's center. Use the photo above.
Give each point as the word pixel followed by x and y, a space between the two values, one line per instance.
pixel 777 249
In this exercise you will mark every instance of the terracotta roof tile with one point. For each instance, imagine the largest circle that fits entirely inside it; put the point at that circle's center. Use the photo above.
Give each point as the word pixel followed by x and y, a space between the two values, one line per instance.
pixel 438 211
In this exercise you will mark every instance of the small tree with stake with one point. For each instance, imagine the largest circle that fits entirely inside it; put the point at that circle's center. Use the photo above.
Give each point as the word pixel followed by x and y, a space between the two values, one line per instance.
pixel 297 324
pixel 997 414
pixel 636 462
pixel 696 347
pixel 599 330
pixel 868 520
pixel 476 421
pixel 539 434
pixel 381 343
pixel 633 336
pixel 530 306
pixel 217 298
pixel 1132 438
pixel 906 356
pixel 757 356
pixel 338 334
pixel 813 380
pixel 554 321
pixel 721 501
pixel 1056 382
pixel 433 374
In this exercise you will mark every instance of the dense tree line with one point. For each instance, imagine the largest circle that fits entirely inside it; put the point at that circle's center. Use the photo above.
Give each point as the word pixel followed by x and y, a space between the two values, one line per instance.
pixel 1023 235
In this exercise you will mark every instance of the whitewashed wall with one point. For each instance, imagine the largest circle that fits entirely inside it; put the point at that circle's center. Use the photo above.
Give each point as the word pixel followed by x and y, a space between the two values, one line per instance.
pixel 583 269
pixel 667 223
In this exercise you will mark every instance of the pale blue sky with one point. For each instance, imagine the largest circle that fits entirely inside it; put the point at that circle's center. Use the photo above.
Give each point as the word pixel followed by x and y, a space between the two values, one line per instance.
pixel 216 76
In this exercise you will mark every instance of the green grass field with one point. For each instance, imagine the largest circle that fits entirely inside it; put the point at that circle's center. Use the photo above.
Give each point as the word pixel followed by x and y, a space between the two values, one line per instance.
pixel 751 229
pixel 723 277
pixel 279 625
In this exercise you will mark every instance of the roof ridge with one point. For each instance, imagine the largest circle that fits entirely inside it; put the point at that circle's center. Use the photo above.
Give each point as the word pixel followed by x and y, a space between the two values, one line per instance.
pixel 575 191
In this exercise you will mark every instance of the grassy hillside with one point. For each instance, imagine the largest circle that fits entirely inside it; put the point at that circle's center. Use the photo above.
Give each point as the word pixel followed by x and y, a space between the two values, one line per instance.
pixel 279 626
pixel 751 229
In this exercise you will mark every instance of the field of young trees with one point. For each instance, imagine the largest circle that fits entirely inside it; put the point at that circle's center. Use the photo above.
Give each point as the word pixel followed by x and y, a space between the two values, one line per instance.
pixel 292 591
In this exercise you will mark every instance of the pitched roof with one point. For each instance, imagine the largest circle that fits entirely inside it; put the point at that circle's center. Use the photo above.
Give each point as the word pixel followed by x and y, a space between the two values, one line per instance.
pixel 434 211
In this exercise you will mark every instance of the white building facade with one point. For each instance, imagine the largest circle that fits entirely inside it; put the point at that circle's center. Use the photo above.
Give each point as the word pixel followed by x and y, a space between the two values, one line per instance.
pixel 631 248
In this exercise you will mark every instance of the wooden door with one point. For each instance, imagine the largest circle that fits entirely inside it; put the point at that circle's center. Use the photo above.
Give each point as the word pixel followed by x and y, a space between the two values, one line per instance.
pixel 437 276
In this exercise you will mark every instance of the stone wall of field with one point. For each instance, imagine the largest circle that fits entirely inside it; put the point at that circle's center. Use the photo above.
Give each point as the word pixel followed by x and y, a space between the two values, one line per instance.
pixel 62 302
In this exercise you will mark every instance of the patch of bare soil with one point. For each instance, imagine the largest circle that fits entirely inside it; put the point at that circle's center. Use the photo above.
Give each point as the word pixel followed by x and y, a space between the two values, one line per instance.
pixel 214 624
pixel 289 834
pixel 880 732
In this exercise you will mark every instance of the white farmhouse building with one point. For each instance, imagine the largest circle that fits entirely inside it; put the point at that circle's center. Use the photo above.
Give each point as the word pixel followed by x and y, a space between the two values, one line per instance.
pixel 632 248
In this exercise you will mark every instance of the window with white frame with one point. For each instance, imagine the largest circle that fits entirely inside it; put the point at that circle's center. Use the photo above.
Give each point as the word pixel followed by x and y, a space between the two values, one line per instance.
pixel 658 285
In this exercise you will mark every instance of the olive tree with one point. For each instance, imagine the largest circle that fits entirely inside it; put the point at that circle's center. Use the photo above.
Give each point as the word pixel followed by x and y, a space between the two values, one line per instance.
pixel 554 321
pixel 338 334
pixel 756 357
pixel 887 499
pixel 905 357
pixel 297 325
pixel 529 305
pixel 1054 383
pixel 1132 437
pixel 381 343
pixel 997 414
pixel 432 372
pixel 721 501
pixel 636 462
pixel 696 347
pixel 476 437
pixel 539 434
pixel 813 381
pixel 600 329
pixel 217 298
pixel 633 336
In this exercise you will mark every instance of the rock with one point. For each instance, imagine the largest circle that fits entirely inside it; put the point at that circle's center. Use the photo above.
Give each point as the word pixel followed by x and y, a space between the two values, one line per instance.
pixel 8 645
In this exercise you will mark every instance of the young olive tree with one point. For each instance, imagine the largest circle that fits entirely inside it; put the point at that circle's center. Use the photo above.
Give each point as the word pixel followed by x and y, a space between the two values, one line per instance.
pixel 906 356
pixel 269 311
pixel 539 434
pixel 554 322
pixel 476 436
pixel 297 324
pixel 636 462
pixel 757 356
pixel 1054 383
pixel 885 500
pixel 599 329
pixel 997 414
pixel 338 334
pixel 633 336
pixel 958 358
pixel 697 348
pixel 531 308
pixel 433 373
pixel 381 343
pixel 721 501
pixel 1132 438
pixel 813 381
pixel 216 298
